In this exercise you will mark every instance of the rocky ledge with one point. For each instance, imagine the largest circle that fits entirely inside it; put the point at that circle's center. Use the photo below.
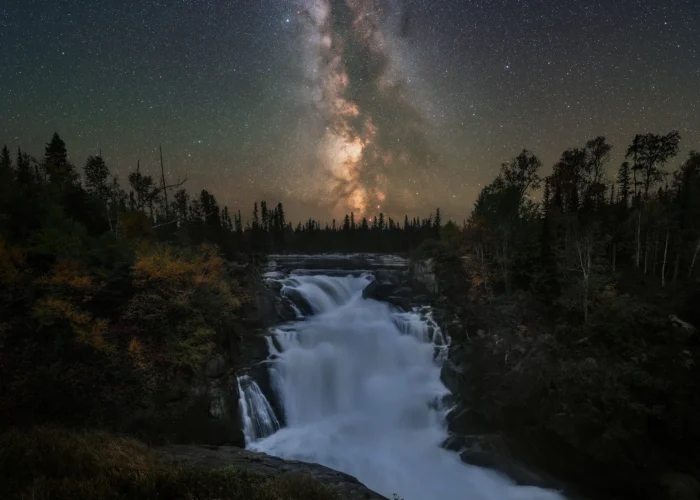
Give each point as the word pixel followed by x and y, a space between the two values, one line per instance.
pixel 347 486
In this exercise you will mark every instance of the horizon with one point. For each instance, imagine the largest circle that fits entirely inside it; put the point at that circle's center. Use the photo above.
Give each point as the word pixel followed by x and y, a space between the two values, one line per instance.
pixel 400 105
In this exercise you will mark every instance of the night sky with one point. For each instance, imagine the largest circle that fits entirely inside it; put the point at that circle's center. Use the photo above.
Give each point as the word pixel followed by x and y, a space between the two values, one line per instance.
pixel 338 105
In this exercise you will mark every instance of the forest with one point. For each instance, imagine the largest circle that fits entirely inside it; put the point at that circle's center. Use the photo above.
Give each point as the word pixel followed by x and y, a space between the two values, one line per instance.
pixel 111 291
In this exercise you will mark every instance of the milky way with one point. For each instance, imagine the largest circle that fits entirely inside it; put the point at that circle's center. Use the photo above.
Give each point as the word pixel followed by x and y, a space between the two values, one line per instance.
pixel 372 135
pixel 328 106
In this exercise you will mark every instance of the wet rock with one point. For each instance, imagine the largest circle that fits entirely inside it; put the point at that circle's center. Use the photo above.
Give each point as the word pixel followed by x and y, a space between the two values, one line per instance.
pixel 348 487
pixel 299 301
pixel 285 309
pixel 404 291
pixel 387 276
pixel 216 367
pixel 505 465
pixel 400 302
pixel 274 285
pixel 378 291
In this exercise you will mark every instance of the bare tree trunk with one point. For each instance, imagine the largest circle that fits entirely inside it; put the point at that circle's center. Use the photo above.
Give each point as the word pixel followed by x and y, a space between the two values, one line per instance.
pixel 676 266
pixel 646 252
pixel 165 188
pixel 695 254
pixel 638 253
pixel 656 250
pixel 584 258
pixel 663 266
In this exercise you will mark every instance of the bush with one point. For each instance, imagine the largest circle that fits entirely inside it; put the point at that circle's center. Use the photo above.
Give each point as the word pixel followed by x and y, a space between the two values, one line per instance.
pixel 44 463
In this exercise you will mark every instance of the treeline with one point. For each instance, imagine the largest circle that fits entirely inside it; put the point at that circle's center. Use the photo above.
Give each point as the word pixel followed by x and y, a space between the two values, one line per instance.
pixel 587 302
pixel 159 210
pixel 109 299
pixel 590 228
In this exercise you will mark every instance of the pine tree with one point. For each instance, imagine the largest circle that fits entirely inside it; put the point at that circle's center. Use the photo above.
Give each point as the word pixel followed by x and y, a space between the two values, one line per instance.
pixel 24 169
pixel 61 173
pixel 96 176
pixel 5 161
pixel 624 180
pixel 264 216
pixel 437 224
pixel 256 221
pixel 239 224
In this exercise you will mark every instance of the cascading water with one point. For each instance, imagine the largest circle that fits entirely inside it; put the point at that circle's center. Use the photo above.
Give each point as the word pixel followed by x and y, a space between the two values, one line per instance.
pixel 361 391
pixel 259 420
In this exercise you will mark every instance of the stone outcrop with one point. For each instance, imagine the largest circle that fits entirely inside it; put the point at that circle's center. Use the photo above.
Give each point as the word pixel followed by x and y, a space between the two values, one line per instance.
pixel 424 273
pixel 347 486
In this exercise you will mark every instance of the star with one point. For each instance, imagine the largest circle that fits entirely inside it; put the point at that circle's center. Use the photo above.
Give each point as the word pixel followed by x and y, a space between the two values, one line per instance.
pixel 403 108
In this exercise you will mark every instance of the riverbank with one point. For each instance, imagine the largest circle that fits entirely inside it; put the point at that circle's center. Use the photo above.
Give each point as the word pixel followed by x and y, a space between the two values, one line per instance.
pixel 49 463
pixel 606 405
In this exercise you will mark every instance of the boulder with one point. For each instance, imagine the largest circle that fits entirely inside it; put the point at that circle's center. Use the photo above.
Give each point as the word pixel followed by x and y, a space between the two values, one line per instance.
pixel 387 276
pixel 347 487
pixel 682 330
pixel 378 291
pixel 285 309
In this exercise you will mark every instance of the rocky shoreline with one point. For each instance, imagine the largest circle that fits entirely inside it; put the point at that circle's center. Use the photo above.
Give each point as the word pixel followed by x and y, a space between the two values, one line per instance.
pixel 348 487
pixel 214 398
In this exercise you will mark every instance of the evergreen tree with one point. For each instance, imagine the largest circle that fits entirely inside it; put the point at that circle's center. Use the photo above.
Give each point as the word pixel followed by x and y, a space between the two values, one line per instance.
pixel 5 161
pixel 623 181
pixel 437 224
pixel 24 169
pixel 96 177
pixel 61 173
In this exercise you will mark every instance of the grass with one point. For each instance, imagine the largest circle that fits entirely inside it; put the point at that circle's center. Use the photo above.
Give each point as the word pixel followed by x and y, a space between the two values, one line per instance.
pixel 55 464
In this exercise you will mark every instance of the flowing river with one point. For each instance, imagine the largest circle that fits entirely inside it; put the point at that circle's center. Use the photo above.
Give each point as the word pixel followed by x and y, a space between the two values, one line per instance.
pixel 359 384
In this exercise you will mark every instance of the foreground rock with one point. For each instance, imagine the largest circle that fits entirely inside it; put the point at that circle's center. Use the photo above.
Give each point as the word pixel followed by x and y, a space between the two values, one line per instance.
pixel 347 486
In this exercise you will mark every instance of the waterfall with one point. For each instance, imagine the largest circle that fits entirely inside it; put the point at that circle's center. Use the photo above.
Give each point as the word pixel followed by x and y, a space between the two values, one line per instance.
pixel 360 387
pixel 258 418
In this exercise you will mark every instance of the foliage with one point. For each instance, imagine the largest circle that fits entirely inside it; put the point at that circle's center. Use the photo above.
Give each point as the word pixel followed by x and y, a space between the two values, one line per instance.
pixel 47 463
pixel 593 359
pixel 100 309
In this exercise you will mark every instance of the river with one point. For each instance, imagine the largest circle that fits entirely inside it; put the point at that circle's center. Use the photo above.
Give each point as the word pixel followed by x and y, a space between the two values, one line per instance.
pixel 359 385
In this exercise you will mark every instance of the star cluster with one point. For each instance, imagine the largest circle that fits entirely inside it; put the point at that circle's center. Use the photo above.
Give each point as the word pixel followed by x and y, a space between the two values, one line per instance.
pixel 338 105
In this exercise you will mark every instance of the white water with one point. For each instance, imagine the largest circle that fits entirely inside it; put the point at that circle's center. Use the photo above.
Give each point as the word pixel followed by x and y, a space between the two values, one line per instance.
pixel 361 391
pixel 259 419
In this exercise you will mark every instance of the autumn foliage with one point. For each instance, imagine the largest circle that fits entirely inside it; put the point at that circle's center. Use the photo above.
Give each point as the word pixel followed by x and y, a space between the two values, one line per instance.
pixel 97 338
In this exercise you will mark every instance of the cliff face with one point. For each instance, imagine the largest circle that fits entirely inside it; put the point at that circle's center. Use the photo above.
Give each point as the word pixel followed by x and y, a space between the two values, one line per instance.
pixel 345 485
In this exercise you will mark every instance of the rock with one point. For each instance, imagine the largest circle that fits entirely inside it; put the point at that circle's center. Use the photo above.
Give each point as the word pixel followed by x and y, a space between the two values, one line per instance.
pixel 285 309
pixel 298 299
pixel 404 291
pixel 378 291
pixel 216 367
pixel 423 273
pixel 494 461
pixel 348 487
pixel 274 285
pixel 682 330
pixel 680 486
pixel 400 302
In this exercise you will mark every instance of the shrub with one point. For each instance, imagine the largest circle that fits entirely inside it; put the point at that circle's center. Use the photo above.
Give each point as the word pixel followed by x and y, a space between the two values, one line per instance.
pixel 44 463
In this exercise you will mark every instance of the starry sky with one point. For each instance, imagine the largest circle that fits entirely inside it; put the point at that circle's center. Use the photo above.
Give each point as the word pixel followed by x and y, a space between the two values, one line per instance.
pixel 333 106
